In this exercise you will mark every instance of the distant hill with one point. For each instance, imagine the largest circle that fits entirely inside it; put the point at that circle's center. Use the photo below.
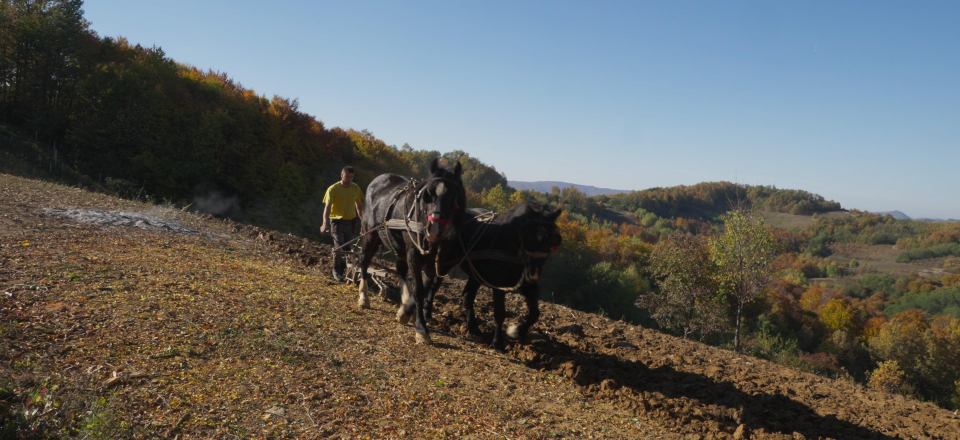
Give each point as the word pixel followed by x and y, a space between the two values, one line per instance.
pixel 902 216
pixel 895 214
pixel 706 200
pixel 938 220
pixel 544 187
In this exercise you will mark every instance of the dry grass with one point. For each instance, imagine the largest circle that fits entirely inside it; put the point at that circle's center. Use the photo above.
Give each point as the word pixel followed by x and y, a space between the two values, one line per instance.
pixel 790 222
pixel 880 259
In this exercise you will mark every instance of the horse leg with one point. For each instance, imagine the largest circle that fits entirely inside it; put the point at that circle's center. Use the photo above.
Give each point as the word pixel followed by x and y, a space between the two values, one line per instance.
pixel 405 311
pixel 532 296
pixel 370 245
pixel 420 323
pixel 499 315
pixel 469 297
pixel 432 283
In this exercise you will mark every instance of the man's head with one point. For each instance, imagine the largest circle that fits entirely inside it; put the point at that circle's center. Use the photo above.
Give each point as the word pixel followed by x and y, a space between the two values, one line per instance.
pixel 346 175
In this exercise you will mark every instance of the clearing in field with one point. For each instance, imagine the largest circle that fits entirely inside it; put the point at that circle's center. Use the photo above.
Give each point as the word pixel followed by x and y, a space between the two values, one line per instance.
pixel 794 222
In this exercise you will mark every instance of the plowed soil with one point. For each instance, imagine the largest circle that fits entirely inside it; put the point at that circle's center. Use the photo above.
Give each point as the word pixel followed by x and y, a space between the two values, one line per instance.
pixel 238 332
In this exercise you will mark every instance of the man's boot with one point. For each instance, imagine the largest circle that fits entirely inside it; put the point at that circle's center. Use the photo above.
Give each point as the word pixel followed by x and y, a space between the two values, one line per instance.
pixel 339 267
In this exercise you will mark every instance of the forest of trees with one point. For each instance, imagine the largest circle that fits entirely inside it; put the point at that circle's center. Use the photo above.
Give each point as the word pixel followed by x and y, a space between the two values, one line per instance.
pixel 127 119
pixel 142 124
pixel 709 199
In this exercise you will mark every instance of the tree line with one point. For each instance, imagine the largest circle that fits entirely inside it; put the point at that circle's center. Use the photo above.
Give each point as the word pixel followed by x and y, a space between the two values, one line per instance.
pixel 134 121
pixel 710 199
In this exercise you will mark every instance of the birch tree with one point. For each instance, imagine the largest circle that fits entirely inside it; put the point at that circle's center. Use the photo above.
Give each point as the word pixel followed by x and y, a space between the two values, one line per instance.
pixel 743 254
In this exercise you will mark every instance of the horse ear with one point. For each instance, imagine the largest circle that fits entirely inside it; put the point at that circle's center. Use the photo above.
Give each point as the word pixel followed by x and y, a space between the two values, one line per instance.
pixel 434 166
pixel 528 210
pixel 457 169
pixel 553 216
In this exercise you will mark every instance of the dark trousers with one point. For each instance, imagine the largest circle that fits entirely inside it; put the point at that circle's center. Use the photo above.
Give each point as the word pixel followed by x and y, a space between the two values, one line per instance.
pixel 342 231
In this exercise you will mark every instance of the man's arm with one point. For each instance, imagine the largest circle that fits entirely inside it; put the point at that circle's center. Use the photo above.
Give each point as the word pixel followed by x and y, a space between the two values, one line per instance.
pixel 359 210
pixel 326 219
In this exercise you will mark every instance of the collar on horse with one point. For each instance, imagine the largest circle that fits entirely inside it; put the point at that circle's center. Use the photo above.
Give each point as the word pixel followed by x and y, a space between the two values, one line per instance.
pixel 415 230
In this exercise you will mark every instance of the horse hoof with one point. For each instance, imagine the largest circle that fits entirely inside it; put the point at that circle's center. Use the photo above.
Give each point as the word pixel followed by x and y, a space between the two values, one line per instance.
pixel 402 318
pixel 513 331
pixel 363 302
pixel 423 339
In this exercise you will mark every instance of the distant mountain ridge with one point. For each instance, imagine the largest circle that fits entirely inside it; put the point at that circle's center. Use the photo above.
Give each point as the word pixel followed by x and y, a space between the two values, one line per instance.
pixel 937 220
pixel 545 186
pixel 900 215
pixel 896 214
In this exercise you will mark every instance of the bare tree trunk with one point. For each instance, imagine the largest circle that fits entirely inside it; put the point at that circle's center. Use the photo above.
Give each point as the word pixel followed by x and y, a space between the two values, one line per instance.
pixel 741 298
pixel 736 337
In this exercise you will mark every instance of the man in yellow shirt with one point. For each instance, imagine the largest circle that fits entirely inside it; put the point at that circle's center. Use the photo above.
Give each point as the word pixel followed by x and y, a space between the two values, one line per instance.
pixel 340 218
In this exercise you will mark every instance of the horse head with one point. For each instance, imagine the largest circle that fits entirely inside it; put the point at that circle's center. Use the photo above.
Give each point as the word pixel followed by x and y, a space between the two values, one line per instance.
pixel 442 198
pixel 539 237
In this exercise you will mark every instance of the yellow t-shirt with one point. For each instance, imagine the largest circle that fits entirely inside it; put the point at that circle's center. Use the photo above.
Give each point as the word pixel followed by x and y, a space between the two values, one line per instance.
pixel 343 199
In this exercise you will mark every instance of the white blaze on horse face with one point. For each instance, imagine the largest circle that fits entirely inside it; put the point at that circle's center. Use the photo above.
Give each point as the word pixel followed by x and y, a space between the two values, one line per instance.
pixel 441 189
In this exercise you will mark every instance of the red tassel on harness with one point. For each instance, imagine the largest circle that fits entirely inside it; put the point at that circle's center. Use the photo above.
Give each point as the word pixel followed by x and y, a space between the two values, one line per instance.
pixel 433 219
pixel 554 249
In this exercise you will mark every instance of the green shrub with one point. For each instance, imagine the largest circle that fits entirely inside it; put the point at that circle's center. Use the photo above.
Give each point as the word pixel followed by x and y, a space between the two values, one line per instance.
pixel 925 253
pixel 935 303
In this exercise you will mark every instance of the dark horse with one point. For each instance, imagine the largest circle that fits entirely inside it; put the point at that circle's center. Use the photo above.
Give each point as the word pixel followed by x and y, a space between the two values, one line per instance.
pixel 506 253
pixel 411 218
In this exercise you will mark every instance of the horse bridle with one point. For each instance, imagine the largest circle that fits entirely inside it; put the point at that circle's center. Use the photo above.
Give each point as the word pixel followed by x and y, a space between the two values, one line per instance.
pixel 527 256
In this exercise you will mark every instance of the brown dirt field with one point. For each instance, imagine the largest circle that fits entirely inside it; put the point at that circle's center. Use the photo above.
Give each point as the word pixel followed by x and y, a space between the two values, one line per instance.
pixel 239 333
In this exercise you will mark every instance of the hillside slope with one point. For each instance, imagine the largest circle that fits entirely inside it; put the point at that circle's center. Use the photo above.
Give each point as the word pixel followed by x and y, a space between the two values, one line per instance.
pixel 237 332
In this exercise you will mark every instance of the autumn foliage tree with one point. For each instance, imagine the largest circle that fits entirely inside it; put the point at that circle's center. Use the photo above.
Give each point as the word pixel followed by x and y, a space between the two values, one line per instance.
pixel 839 315
pixel 889 377
pixel 687 300
pixel 496 199
pixel 928 352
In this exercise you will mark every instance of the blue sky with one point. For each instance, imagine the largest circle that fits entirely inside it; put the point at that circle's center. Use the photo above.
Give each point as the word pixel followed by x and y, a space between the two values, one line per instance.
pixel 856 101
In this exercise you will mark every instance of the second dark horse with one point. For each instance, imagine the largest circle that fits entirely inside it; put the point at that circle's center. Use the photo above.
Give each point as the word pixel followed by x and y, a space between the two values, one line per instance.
pixel 506 253
pixel 412 219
